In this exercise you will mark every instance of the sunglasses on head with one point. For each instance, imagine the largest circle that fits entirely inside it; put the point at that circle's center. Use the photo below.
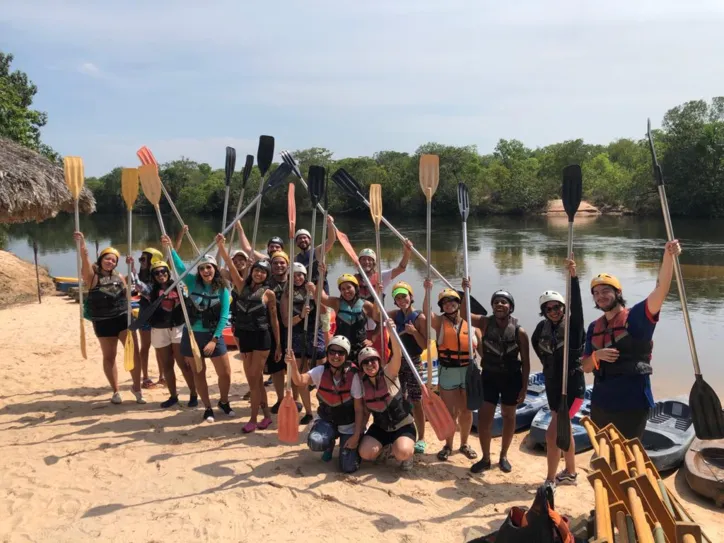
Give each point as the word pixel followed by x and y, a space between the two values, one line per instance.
pixel 338 352
pixel 553 308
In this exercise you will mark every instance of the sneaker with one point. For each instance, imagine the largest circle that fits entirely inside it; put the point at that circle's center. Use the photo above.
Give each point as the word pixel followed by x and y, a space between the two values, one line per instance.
pixel 193 401
pixel 299 407
pixel 420 447
pixel 173 400
pixel 327 455
pixel 505 465
pixel 306 419
pixel 226 408
pixel 139 397
pixel 480 466
pixel 269 382
pixel 275 408
pixel 565 478
pixel 116 398
pixel 406 465
pixel 209 415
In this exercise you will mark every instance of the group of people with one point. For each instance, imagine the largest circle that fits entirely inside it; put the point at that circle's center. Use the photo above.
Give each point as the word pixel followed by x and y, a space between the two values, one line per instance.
pixel 358 371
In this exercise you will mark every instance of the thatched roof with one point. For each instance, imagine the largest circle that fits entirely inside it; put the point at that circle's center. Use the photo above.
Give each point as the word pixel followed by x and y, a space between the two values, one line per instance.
pixel 32 188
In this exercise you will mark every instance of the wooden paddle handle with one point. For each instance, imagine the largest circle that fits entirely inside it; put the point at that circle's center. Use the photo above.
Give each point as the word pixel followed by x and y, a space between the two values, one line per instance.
pixel 643 530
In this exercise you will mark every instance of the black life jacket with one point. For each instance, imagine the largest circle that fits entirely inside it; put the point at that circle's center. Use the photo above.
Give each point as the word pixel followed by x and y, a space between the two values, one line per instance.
pixel 500 347
pixel 352 323
pixel 204 307
pixel 278 289
pixel 388 412
pixel 169 314
pixel 550 346
pixel 300 294
pixel 634 355
pixel 303 258
pixel 145 277
pixel 408 341
pixel 250 310
pixel 336 404
pixel 107 299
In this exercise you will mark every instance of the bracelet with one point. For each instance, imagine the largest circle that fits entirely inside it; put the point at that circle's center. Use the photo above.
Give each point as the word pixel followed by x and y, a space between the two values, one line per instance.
pixel 596 363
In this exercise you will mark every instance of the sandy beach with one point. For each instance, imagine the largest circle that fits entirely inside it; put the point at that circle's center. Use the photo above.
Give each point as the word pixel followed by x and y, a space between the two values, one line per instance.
pixel 77 468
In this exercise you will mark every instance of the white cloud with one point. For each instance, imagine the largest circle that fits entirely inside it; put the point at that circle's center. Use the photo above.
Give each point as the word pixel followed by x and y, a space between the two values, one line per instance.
pixel 88 68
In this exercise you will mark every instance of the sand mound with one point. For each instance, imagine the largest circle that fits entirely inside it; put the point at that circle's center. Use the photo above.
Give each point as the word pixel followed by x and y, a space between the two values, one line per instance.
pixel 556 206
pixel 18 283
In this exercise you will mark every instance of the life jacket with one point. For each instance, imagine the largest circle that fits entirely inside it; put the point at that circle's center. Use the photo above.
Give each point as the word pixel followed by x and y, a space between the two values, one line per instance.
pixel 388 412
pixel 251 311
pixel 408 341
pixel 364 292
pixel 634 355
pixel 352 322
pixel 204 307
pixel 145 277
pixel 500 347
pixel 107 299
pixel 300 295
pixel 452 351
pixel 336 404
pixel 303 258
pixel 550 344
pixel 540 523
pixel 169 313
pixel 278 289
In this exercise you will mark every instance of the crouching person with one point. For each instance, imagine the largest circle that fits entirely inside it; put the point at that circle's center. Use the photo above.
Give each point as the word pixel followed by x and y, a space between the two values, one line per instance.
pixel 341 409
pixel 393 428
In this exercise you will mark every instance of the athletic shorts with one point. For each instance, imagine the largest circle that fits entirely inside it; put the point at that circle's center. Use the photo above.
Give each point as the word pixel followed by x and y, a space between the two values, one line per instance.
pixel 163 337
pixel 271 367
pixel 298 340
pixel 110 327
pixel 202 338
pixel 250 341
pixel 452 378
pixel 410 387
pixel 502 387
pixel 387 438
pixel 631 422
pixel 576 389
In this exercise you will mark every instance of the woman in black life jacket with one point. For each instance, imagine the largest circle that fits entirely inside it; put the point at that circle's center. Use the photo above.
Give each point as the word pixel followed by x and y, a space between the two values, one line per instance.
pixel 548 342
pixel 108 306
pixel 393 426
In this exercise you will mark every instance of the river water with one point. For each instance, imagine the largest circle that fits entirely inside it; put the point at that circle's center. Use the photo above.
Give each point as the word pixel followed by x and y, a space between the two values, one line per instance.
pixel 522 254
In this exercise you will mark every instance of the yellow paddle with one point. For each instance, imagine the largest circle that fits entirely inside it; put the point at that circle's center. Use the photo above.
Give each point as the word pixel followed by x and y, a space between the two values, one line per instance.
pixel 376 212
pixel 151 184
pixel 129 190
pixel 429 180
pixel 74 178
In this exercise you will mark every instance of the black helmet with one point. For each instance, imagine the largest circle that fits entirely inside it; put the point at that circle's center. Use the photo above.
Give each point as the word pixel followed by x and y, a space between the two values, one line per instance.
pixel 503 294
pixel 262 264
pixel 277 240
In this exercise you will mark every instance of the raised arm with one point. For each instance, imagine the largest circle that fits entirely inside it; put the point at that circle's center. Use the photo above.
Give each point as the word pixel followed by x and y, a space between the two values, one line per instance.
pixel 402 266
pixel 476 320
pixel 236 277
pixel 246 246
pixel 663 283
pixel 180 237
pixel 392 369
pixel 434 319
pixel 86 266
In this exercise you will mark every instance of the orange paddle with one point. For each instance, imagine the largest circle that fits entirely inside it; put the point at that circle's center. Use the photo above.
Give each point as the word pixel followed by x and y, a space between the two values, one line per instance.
pixel 288 423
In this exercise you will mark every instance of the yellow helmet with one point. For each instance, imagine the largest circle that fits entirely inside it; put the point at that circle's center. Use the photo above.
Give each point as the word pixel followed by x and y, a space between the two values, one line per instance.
pixel 447 293
pixel 109 251
pixel 155 254
pixel 347 278
pixel 401 287
pixel 280 254
pixel 605 279
pixel 159 264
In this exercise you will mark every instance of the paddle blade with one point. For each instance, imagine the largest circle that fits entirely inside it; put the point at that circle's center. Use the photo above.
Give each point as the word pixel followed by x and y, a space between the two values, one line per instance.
pixel 288 425
pixel 291 210
pixel 230 164
pixel 348 184
pixel 438 415
pixel 474 386
pixel 129 186
pixel 265 153
pixel 475 306
pixel 658 173
pixel 276 178
pixel 463 201
pixel 572 189
pixel 248 165
pixel 198 361
pixel 706 411
pixel 128 358
pixel 292 163
pixel 74 176
pixel 563 426
pixel 145 155
pixel 146 313
pixel 315 183
pixel 83 352
pixel 429 174
pixel 347 246
pixel 376 204
pixel 151 183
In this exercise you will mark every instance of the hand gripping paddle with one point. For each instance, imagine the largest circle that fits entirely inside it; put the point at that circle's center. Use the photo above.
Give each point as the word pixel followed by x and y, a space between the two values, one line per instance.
pixel 129 190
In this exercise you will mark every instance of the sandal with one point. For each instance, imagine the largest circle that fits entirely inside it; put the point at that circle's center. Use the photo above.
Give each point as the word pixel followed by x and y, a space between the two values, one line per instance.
pixel 265 423
pixel 249 427
pixel 469 452
pixel 147 383
pixel 444 454
pixel 161 382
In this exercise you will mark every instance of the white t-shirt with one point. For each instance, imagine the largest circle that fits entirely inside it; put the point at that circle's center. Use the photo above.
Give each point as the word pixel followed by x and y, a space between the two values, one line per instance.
pixel 386 280
pixel 356 392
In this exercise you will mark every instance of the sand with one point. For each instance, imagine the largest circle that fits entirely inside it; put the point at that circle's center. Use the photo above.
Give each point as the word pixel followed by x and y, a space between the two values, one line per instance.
pixel 18 282
pixel 77 468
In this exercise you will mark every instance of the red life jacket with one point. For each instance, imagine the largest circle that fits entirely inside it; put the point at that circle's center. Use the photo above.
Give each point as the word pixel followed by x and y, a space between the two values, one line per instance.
pixel 364 292
pixel 387 411
pixel 336 404
pixel 634 355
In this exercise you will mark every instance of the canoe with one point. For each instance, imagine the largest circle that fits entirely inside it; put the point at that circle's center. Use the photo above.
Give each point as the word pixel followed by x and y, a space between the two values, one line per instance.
pixel 537 435
pixel 534 401
pixel 63 286
pixel 669 433
pixel 65 279
pixel 704 469
pixel 228 336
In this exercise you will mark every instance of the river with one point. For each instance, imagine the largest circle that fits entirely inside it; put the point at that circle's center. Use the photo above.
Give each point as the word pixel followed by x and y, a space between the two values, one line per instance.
pixel 522 254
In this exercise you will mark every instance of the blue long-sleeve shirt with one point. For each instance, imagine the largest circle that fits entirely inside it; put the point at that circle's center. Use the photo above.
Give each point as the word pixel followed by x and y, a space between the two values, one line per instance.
pixel 193 286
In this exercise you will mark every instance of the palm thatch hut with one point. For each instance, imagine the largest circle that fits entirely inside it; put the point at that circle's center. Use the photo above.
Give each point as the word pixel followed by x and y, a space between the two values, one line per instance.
pixel 32 188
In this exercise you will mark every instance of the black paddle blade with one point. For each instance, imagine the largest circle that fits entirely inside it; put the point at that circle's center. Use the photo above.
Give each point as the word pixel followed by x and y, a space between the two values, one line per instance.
pixel 563 426
pixel 463 201
pixel 230 164
pixel 348 184
pixel 706 411
pixel 289 159
pixel 474 386
pixel 246 172
pixel 315 183
pixel 146 314
pixel 265 153
pixel 475 306
pixel 277 177
pixel 658 173
pixel 572 189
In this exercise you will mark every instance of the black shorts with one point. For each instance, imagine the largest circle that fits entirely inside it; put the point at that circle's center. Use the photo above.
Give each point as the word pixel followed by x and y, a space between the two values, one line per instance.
pixel 271 367
pixel 631 422
pixel 502 387
pixel 387 438
pixel 111 327
pixel 576 388
pixel 253 341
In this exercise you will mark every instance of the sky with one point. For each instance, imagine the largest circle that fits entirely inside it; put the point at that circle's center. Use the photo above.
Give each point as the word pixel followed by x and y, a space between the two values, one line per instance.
pixel 187 78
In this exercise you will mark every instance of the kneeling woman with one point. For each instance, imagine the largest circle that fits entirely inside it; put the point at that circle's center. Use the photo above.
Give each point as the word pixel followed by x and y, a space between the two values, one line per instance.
pixel 393 425
pixel 208 312
pixel 167 324
pixel 341 408
pixel 108 307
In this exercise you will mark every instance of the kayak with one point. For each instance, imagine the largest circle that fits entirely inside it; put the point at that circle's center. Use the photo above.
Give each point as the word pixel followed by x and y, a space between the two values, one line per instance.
pixel 704 469
pixel 537 435
pixel 534 401
pixel 64 286
pixel 65 279
pixel 669 433
pixel 228 336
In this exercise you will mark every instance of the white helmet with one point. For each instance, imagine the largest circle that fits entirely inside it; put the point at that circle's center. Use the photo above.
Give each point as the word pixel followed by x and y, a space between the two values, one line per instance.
pixel 368 252
pixel 300 268
pixel 551 296
pixel 367 352
pixel 340 341
pixel 302 232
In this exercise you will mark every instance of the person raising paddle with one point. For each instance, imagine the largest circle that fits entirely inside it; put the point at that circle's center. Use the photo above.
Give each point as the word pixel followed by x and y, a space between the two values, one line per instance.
pixel 303 240
pixel 618 350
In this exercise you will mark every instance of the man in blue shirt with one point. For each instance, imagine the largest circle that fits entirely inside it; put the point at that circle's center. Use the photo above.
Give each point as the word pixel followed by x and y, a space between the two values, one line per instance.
pixel 618 350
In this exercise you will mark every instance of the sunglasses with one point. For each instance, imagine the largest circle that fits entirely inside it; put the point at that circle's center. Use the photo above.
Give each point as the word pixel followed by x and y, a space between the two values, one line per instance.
pixel 142 259
pixel 370 361
pixel 160 272
pixel 553 308
pixel 336 352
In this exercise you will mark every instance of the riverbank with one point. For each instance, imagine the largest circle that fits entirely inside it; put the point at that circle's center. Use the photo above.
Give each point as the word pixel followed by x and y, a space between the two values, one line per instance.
pixel 77 468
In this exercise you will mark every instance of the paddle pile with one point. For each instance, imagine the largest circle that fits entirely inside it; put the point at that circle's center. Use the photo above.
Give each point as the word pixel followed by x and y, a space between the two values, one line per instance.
pixel 631 498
